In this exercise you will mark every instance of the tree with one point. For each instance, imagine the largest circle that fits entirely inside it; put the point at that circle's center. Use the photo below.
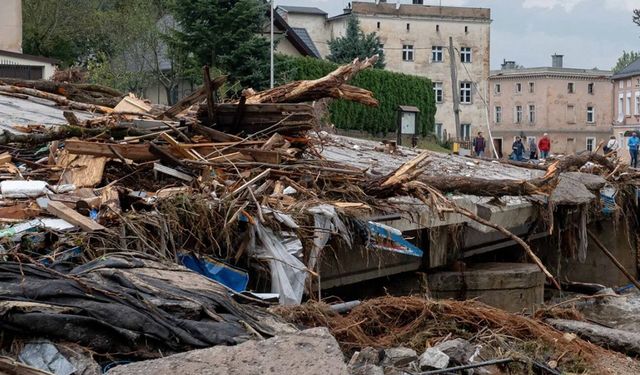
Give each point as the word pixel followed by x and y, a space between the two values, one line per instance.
pixel 636 16
pixel 226 35
pixel 355 44
pixel 626 59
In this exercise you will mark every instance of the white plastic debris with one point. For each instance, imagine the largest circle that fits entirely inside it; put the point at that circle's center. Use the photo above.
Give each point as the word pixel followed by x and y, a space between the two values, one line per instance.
pixel 288 273
pixel 289 191
pixel 22 189
pixel 326 222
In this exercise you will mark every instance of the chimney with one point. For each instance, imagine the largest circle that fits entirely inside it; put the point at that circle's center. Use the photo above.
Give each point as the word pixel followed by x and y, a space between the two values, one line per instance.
pixel 556 61
pixel 508 65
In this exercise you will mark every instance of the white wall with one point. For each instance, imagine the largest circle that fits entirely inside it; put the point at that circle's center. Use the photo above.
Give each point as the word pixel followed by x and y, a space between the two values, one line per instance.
pixel 47 73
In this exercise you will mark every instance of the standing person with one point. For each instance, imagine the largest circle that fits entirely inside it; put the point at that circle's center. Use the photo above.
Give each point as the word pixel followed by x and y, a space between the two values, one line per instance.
pixel 634 144
pixel 611 146
pixel 518 149
pixel 533 149
pixel 544 146
pixel 479 144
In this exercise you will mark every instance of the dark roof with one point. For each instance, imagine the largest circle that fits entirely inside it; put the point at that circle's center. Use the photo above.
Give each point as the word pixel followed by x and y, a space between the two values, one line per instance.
pixel 306 39
pixel 408 108
pixel 632 69
pixel 416 10
pixel 29 57
pixel 303 10
pixel 301 41
pixel 550 71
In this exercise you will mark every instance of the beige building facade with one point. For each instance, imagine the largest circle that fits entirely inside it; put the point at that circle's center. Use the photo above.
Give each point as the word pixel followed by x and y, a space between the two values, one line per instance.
pixel 626 104
pixel 11 25
pixel 415 40
pixel 573 106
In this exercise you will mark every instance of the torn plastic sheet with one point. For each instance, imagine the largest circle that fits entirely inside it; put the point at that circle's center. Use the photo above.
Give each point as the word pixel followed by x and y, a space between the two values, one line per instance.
pixel 326 222
pixel 281 217
pixel 45 356
pixel 233 278
pixel 384 237
pixel 288 273
pixel 47 223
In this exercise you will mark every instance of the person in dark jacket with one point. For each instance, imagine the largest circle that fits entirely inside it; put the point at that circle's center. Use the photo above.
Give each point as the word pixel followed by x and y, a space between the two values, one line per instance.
pixel 479 144
pixel 518 149
pixel 533 149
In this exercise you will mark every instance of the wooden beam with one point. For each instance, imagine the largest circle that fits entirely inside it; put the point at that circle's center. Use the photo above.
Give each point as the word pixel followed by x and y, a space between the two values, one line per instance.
pixel 61 211
pixel 176 146
pixel 135 152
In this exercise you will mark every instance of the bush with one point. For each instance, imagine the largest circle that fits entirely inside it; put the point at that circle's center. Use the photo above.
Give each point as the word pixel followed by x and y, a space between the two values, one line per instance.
pixel 391 89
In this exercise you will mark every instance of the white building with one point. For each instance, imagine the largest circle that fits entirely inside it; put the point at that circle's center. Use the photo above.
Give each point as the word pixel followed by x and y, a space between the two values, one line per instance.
pixel 13 63
pixel 415 39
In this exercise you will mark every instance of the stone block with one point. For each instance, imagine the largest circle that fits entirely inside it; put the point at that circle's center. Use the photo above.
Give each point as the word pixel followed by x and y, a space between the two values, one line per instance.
pixel 433 358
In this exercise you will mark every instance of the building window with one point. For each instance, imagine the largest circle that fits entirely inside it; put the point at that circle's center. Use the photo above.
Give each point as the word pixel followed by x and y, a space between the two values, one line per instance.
pixel 637 109
pixel 620 84
pixel 437 28
pixel 408 26
pixel 436 54
pixel 570 88
pixel 532 114
pixel 407 52
pixel 465 131
pixel 532 87
pixel 418 2
pixel 465 92
pixel 466 29
pixel 498 114
pixel 378 25
pixel 518 114
pixel 496 88
pixel 628 108
pixel 439 93
pixel 438 131
pixel 590 88
pixel 591 143
pixel 571 114
pixel 591 115
pixel 620 108
pixel 465 54
pixel 518 88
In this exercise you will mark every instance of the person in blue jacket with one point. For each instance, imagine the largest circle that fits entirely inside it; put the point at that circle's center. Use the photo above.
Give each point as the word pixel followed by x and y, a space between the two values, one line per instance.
pixel 634 144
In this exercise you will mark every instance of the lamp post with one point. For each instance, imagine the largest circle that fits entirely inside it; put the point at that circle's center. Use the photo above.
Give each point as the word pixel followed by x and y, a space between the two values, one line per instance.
pixel 271 75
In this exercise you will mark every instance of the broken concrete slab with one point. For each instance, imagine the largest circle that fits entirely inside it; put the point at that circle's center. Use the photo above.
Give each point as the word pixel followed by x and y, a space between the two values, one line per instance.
pixel 310 352
pixel 458 350
pixel 399 357
pixel 433 358
pixel 590 181
pixel 570 191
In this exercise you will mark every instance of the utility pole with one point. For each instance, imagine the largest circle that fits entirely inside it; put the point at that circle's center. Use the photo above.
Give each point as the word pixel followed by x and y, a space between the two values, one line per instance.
pixel 454 88
pixel 271 76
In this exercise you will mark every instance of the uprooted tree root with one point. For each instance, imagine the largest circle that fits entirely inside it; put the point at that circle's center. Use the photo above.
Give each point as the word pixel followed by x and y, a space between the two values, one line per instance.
pixel 419 323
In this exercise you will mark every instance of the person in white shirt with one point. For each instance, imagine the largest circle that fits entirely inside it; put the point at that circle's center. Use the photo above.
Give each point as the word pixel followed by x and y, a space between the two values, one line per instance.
pixel 611 146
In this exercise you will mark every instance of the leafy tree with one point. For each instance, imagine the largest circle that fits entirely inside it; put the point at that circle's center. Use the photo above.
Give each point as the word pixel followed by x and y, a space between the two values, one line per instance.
pixel 227 35
pixel 626 59
pixel 355 44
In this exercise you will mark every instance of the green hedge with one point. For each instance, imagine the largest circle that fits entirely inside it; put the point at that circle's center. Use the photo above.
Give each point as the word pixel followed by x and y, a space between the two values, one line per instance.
pixel 391 89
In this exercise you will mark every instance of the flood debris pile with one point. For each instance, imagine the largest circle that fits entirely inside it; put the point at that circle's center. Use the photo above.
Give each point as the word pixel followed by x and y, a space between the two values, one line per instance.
pixel 418 335
pixel 145 230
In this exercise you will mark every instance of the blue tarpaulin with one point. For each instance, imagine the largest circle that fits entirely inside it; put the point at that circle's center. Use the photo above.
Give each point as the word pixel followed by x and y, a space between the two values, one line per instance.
pixel 386 238
pixel 227 275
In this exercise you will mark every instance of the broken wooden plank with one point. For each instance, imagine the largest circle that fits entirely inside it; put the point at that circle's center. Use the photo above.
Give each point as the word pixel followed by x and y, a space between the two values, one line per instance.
pixel 131 104
pixel 5 157
pixel 20 211
pixel 81 170
pixel 61 211
pixel 171 172
pixel 215 135
pixel 175 145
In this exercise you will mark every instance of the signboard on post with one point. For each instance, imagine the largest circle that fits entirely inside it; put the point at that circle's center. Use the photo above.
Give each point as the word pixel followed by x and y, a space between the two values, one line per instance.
pixel 408 123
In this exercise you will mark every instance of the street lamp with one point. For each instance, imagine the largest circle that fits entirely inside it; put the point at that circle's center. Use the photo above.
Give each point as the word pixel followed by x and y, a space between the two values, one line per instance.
pixel 271 75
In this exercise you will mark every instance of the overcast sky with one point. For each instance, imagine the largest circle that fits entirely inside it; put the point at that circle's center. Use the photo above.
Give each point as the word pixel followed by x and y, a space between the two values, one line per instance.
pixel 590 33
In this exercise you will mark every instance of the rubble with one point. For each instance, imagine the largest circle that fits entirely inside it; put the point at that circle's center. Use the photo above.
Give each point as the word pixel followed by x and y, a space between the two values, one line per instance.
pixel 433 358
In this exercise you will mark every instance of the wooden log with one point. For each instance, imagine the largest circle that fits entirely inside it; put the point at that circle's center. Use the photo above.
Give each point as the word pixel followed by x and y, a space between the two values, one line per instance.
pixel 58 99
pixel 332 86
pixel 57 133
pixel 84 93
